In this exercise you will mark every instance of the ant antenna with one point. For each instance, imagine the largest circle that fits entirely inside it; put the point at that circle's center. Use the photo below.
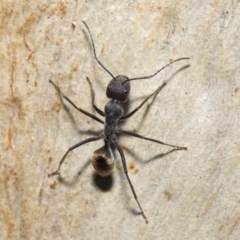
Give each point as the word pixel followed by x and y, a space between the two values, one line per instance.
pixel 146 77
pixel 95 51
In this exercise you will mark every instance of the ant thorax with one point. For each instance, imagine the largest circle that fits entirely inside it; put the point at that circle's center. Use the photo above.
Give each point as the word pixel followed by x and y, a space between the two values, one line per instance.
pixel 113 112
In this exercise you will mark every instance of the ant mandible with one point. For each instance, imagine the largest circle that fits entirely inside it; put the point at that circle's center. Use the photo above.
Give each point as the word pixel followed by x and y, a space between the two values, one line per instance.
pixel 118 91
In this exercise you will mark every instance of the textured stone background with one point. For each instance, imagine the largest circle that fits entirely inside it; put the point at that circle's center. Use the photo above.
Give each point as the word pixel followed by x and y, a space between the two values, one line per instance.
pixel 185 195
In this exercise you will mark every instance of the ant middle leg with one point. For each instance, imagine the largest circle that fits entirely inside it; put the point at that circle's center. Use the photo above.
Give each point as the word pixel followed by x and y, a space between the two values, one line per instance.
pixel 92 139
pixel 151 139
pixel 126 173
pixel 144 101
pixel 79 109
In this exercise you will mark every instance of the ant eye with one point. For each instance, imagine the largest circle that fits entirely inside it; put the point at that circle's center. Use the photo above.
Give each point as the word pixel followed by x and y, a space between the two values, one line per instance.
pixel 125 91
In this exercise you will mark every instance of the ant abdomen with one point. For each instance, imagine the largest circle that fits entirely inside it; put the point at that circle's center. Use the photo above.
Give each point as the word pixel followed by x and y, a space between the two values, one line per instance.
pixel 102 161
pixel 118 88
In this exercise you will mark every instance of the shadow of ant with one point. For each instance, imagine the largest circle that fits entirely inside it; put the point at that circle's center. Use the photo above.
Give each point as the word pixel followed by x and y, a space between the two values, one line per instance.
pixel 103 184
pixel 76 178
pixel 138 158
pixel 149 105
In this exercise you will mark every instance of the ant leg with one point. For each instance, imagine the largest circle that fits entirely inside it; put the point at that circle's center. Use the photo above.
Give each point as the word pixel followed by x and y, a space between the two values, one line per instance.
pixel 93 99
pixel 145 100
pixel 150 139
pixel 126 173
pixel 79 109
pixel 92 139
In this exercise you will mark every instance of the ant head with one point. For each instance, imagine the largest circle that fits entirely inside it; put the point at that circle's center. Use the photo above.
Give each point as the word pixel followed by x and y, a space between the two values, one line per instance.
pixel 102 161
pixel 118 88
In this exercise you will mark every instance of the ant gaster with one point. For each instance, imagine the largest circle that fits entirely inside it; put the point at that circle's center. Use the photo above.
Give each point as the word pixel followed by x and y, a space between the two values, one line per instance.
pixel 118 91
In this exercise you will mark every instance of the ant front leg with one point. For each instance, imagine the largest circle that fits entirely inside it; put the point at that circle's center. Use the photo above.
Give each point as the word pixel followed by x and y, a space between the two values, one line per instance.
pixel 79 109
pixel 151 139
pixel 126 173
pixel 92 139
pixel 93 99
pixel 145 100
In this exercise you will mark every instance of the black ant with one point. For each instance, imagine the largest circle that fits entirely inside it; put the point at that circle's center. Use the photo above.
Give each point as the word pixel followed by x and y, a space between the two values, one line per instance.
pixel 118 91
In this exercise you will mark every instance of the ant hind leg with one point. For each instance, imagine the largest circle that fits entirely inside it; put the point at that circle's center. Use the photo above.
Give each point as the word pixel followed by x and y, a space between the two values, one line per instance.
pixel 129 181
pixel 92 139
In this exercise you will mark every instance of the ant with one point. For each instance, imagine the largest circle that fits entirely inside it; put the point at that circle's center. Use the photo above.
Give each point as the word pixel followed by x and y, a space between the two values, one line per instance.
pixel 118 91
